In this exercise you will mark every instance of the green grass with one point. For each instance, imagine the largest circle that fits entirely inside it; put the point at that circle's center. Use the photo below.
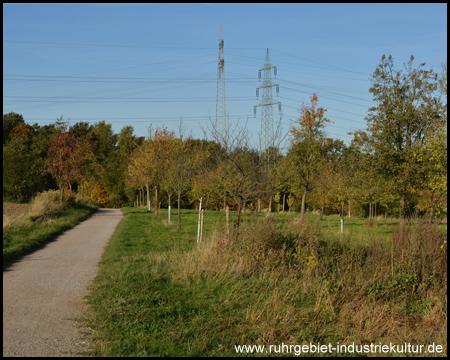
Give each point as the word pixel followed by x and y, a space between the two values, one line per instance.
pixel 134 297
pixel 159 293
pixel 27 234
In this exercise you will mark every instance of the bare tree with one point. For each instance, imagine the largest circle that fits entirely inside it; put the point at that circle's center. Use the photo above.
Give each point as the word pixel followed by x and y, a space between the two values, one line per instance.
pixel 184 164
pixel 239 171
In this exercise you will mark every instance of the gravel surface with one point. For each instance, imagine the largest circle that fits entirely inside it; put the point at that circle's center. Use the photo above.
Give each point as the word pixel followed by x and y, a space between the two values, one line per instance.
pixel 43 292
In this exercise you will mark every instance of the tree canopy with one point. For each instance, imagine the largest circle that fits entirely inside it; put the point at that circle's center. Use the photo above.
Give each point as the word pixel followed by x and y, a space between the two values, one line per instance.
pixel 398 162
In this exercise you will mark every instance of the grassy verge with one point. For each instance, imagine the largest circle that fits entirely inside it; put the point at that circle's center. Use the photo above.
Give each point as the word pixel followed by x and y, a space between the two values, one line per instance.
pixel 39 226
pixel 159 293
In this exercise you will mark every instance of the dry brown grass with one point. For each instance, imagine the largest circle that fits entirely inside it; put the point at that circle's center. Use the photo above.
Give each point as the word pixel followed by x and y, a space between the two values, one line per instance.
pixel 335 288
pixel 45 204
pixel 12 212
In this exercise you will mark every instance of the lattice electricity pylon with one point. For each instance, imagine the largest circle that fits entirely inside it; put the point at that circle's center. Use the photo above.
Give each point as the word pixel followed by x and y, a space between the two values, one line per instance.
pixel 221 120
pixel 266 102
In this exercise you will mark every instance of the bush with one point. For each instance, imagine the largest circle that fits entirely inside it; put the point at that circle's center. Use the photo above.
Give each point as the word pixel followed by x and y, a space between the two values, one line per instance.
pixel 70 199
pixel 115 201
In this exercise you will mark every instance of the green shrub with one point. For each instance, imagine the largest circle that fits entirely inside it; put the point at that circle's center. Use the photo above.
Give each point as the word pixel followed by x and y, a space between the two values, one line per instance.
pixel 70 199
pixel 115 201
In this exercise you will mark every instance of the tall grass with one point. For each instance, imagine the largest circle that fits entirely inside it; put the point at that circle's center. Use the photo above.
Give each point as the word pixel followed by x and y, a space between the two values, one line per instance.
pixel 267 282
pixel 45 218
pixel 332 286
pixel 45 205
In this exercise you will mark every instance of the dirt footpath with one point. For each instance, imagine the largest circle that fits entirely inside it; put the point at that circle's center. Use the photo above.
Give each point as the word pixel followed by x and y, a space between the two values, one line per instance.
pixel 43 292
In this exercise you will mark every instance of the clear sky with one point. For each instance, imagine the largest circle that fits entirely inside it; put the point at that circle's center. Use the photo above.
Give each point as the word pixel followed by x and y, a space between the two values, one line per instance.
pixel 137 64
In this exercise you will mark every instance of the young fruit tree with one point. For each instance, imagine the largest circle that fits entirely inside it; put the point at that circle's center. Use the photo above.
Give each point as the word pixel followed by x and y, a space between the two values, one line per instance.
pixel 307 146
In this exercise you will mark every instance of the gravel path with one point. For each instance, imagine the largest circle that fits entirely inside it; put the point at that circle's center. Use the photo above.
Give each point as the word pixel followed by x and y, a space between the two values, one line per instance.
pixel 43 292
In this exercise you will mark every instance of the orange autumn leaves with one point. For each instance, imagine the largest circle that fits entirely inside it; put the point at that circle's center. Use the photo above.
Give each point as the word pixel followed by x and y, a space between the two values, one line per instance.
pixel 311 121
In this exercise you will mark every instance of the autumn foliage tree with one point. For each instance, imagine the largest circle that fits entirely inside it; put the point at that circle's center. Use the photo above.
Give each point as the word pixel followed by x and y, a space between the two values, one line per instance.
pixel 183 166
pixel 233 170
pixel 150 161
pixel 67 158
pixel 406 114
pixel 433 186
pixel 139 170
pixel 307 146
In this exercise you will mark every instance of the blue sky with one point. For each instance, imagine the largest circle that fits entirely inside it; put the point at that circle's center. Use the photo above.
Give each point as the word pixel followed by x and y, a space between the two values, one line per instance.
pixel 142 64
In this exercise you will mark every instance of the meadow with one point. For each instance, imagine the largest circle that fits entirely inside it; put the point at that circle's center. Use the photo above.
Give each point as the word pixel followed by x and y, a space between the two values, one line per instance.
pixel 271 282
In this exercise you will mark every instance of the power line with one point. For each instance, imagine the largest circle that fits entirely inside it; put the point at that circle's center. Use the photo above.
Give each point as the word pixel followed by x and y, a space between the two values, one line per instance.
pixel 309 35
pixel 320 67
pixel 151 84
pixel 333 67
pixel 120 46
pixel 305 73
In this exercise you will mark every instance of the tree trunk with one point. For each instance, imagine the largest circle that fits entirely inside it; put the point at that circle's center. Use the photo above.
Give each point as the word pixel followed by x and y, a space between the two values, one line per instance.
pixel 179 207
pixel 169 209
pixel 323 208
pixel 156 200
pixel 270 207
pixel 402 205
pixel 228 218
pixel 349 208
pixel 302 214
pixel 284 201
pixel 201 225
pixel 370 211
pixel 148 192
pixel 238 217
pixel 432 208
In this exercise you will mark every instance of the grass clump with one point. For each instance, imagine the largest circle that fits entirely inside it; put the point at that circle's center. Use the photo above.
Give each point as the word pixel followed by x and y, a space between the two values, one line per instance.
pixel 270 281
pixel 46 217
pixel 45 205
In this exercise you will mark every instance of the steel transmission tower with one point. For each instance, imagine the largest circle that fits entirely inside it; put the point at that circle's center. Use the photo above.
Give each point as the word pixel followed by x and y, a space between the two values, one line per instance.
pixel 266 103
pixel 221 120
